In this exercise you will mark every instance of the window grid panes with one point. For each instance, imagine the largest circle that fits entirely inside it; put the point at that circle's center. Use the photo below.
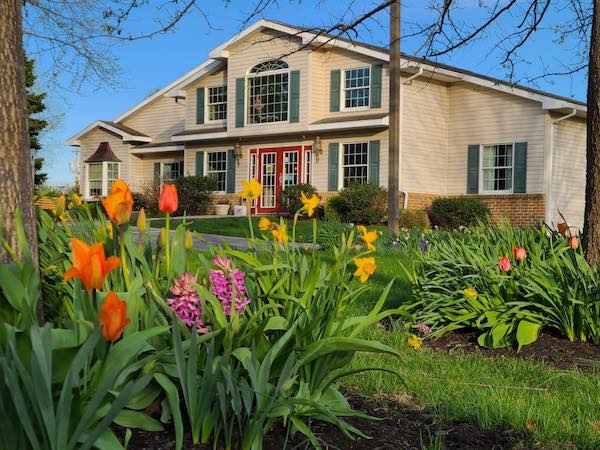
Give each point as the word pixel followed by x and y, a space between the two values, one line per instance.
pixel 217 103
pixel 269 66
pixel 95 179
pixel 307 166
pixel 172 170
pixel 290 168
pixel 356 87
pixel 268 98
pixel 217 168
pixel 497 167
pixel 268 196
pixel 112 174
pixel 355 163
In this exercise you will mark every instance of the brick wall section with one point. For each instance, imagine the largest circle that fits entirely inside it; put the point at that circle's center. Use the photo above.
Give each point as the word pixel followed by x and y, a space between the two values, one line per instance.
pixel 520 209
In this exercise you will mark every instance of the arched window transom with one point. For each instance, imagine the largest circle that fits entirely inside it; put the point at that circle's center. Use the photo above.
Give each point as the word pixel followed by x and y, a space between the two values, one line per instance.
pixel 269 66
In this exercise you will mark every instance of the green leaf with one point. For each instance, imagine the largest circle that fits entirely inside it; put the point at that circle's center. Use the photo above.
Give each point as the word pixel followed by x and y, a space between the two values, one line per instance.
pixel 135 419
pixel 527 332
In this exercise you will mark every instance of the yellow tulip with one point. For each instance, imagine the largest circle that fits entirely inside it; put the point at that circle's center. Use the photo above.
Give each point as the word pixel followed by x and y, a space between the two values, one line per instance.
pixel 141 221
pixel 365 267
pixel 188 242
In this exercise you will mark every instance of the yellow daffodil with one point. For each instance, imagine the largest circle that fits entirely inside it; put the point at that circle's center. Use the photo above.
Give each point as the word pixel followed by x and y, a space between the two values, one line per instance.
pixel 365 267
pixel 309 204
pixel 280 234
pixel 264 224
pixel 77 199
pixel 251 190
pixel 470 293
pixel 367 236
pixel 415 341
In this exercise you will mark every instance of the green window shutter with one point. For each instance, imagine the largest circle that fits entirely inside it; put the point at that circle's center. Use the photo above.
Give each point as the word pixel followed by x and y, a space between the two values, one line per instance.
pixel 240 93
pixel 230 181
pixel 473 169
pixel 200 164
pixel 180 169
pixel 375 100
pixel 334 91
pixel 374 162
pixel 520 177
pixel 334 162
pixel 200 105
pixel 295 96
pixel 156 171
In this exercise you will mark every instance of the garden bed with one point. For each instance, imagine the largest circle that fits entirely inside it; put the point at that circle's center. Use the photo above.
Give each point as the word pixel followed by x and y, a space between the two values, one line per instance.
pixel 400 427
pixel 552 350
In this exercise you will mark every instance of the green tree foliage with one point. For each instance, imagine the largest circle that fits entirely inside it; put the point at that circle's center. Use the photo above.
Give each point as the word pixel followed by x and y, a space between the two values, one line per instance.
pixel 35 106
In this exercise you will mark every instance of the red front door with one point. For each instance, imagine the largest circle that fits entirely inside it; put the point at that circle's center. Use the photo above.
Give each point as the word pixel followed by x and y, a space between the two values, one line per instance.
pixel 275 168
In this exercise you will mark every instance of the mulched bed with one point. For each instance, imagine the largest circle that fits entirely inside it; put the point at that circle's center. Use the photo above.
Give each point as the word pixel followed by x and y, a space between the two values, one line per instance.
pixel 400 427
pixel 553 350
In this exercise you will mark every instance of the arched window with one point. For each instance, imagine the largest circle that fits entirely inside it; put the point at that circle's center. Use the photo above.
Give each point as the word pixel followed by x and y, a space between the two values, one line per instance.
pixel 267 98
pixel 269 66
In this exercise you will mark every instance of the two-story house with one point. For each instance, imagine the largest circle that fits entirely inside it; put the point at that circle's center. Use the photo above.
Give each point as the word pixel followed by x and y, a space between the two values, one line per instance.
pixel 285 105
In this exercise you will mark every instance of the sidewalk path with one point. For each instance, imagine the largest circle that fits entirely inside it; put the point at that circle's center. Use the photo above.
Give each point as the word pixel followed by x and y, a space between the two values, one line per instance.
pixel 238 243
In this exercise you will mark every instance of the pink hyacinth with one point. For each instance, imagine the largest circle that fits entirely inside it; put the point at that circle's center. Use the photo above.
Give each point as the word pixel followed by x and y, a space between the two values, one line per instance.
pixel 228 284
pixel 186 302
pixel 424 329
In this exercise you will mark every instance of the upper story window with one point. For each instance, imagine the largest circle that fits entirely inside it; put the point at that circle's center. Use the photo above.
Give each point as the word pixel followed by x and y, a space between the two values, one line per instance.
pixel 355 163
pixel 356 87
pixel 217 103
pixel 268 92
pixel 497 168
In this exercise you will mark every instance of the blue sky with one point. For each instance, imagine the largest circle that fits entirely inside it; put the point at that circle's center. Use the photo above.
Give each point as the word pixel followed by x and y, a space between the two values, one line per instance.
pixel 151 64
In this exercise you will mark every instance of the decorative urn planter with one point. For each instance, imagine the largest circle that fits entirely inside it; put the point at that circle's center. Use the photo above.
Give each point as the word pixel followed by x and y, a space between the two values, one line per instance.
pixel 222 210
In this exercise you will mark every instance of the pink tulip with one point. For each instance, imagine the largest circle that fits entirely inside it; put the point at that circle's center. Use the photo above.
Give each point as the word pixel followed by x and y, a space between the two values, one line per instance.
pixel 520 253
pixel 573 242
pixel 504 264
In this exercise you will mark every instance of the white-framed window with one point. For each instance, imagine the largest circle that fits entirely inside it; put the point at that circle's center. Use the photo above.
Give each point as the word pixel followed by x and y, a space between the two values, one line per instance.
pixel 100 178
pixel 216 103
pixel 497 161
pixel 355 163
pixel 307 166
pixel 170 171
pixel 216 167
pixel 357 84
pixel 267 96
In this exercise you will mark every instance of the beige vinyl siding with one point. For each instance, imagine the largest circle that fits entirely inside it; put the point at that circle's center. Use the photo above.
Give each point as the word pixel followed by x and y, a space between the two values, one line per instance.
pixel 147 164
pixel 90 143
pixel 259 47
pixel 218 78
pixel 241 165
pixel 568 172
pixel 159 119
pixel 481 115
pixel 322 63
pixel 424 161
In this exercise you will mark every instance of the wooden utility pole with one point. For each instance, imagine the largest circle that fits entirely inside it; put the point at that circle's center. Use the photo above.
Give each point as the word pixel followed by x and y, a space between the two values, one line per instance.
pixel 591 226
pixel 395 120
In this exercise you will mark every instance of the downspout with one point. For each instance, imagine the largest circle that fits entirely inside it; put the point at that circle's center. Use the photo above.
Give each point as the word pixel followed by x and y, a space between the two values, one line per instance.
pixel 550 163
pixel 417 74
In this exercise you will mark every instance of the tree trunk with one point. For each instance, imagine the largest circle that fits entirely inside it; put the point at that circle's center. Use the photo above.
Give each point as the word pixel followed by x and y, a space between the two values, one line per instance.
pixel 591 226
pixel 16 176
pixel 395 120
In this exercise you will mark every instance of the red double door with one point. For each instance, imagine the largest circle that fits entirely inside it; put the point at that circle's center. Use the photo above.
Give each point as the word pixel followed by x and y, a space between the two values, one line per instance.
pixel 276 168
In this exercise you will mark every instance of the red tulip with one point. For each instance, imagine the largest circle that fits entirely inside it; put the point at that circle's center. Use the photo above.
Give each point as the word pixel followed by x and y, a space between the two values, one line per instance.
pixel 573 242
pixel 504 264
pixel 520 253
pixel 562 228
pixel 167 202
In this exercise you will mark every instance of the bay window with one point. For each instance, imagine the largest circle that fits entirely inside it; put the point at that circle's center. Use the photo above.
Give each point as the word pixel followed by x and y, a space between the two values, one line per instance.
pixel 100 178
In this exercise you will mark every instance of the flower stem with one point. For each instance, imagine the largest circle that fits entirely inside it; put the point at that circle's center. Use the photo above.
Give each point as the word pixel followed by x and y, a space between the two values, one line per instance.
pixel 124 256
pixel 167 243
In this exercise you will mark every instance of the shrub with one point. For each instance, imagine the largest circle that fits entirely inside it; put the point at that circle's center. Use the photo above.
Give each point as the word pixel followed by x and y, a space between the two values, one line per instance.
pixel 329 212
pixel 413 218
pixel 456 212
pixel 147 198
pixel 195 194
pixel 361 203
pixel 290 197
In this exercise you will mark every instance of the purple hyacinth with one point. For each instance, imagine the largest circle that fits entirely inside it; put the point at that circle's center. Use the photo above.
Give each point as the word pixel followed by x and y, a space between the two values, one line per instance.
pixel 424 245
pixel 185 302
pixel 227 284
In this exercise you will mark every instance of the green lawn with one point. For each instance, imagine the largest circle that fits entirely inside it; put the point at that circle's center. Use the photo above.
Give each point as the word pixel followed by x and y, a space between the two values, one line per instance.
pixel 238 226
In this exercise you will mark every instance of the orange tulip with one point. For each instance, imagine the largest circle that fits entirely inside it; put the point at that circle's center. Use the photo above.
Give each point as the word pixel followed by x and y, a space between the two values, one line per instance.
pixel 167 202
pixel 119 203
pixel 90 264
pixel 573 242
pixel 562 228
pixel 113 317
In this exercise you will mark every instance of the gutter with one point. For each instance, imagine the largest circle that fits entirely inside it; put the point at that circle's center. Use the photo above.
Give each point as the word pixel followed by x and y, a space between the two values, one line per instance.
pixel 417 74
pixel 550 165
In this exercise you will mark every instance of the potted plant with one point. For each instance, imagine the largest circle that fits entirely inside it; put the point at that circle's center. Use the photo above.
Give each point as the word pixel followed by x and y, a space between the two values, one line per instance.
pixel 222 208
